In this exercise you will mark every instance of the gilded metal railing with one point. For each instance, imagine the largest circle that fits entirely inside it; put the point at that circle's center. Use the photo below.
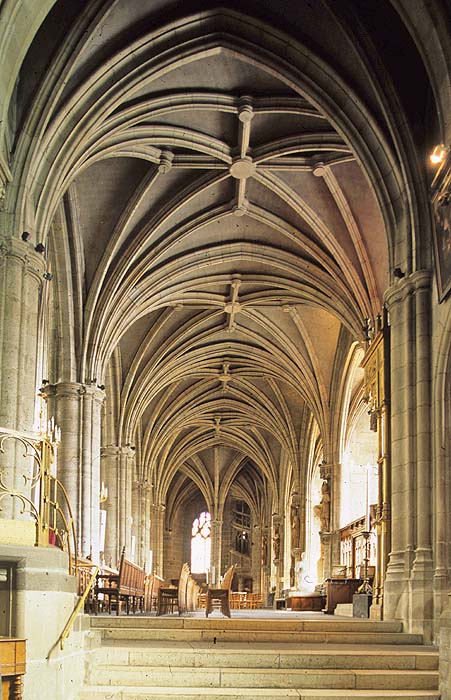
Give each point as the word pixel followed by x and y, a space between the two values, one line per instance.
pixel 78 608
pixel 31 492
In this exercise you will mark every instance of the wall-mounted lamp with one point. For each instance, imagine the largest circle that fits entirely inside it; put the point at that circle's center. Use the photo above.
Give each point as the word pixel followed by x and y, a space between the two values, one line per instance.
pixel 101 386
pixel 40 248
pixel 47 276
pixel 438 155
pixel 26 236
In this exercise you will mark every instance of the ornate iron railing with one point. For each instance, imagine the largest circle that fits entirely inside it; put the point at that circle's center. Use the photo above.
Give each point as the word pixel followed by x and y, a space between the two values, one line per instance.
pixel 30 489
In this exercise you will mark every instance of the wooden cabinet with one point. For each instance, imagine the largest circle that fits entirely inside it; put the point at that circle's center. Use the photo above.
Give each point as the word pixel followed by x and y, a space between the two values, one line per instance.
pixel 12 664
pixel 340 590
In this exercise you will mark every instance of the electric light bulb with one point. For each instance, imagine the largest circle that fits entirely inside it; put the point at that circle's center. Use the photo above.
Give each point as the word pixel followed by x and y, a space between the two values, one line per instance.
pixel 438 154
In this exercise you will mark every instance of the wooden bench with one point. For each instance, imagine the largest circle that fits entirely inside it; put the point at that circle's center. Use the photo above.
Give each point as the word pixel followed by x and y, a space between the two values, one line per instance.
pixel 127 585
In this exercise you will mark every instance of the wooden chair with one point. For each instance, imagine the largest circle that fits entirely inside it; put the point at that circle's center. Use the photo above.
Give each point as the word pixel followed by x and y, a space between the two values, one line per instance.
pixel 167 600
pixel 221 595
pixel 183 583
pixel 170 597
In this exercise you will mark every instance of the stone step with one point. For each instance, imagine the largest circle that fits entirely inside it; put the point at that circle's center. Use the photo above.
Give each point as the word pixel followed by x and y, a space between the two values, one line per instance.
pixel 289 656
pixel 231 634
pixel 164 676
pixel 196 693
pixel 320 624
pixel 172 658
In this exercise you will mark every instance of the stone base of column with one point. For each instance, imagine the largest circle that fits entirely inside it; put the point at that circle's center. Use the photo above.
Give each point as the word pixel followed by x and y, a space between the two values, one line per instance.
pixel 441 598
pixel 445 653
pixel 396 597
pixel 422 607
pixel 376 611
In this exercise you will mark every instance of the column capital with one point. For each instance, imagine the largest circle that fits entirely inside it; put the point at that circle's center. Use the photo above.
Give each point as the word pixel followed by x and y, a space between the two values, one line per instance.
pixel 61 389
pixel 24 253
pixel 402 288
pixel 110 451
pixel 75 389
pixel 93 391
pixel 143 485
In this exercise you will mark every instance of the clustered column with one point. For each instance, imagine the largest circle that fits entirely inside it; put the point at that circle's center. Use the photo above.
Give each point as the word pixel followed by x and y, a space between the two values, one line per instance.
pixel 278 559
pixel 21 284
pixel 77 410
pixel 141 518
pixel 158 514
pixel 216 550
pixel 408 587
pixel 326 471
pixel 117 470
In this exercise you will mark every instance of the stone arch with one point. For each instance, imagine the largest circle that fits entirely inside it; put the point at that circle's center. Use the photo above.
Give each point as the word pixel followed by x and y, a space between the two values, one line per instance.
pixel 295 65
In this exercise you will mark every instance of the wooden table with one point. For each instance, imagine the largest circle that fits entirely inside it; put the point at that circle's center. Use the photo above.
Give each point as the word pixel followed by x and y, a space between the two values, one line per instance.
pixel 12 665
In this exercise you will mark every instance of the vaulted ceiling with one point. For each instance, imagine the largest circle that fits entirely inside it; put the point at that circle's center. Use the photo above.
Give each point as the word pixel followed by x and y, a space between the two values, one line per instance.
pixel 217 229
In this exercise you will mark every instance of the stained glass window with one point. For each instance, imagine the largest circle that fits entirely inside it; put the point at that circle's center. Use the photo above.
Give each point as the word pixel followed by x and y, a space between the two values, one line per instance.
pixel 201 544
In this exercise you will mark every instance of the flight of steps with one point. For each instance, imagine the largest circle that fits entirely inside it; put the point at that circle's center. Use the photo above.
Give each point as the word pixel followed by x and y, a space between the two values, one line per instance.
pixel 189 658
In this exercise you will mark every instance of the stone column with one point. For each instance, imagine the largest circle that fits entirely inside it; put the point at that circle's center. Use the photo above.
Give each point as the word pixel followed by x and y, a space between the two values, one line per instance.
pixel 126 512
pixel 216 550
pixel 157 537
pixel 265 578
pixel 110 475
pixel 77 410
pixel 277 552
pixel 21 280
pixel 408 587
pixel 140 527
pixel 256 567
pixel 326 509
pixel 376 365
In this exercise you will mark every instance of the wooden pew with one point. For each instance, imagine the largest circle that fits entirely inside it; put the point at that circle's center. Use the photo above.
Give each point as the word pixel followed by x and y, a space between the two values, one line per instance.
pixel 127 585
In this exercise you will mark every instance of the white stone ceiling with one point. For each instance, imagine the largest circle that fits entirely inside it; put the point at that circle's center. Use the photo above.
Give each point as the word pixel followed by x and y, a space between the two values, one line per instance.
pixel 229 243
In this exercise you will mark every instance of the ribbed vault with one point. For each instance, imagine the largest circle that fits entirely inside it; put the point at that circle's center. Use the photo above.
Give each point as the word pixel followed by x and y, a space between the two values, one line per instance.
pixel 221 207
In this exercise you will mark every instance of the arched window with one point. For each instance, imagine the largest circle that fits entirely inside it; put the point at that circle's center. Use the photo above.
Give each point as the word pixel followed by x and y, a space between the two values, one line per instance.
pixel 201 544
pixel 242 542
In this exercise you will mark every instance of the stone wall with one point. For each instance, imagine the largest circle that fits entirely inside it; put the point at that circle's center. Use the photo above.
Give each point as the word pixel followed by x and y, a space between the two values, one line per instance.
pixel 43 600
